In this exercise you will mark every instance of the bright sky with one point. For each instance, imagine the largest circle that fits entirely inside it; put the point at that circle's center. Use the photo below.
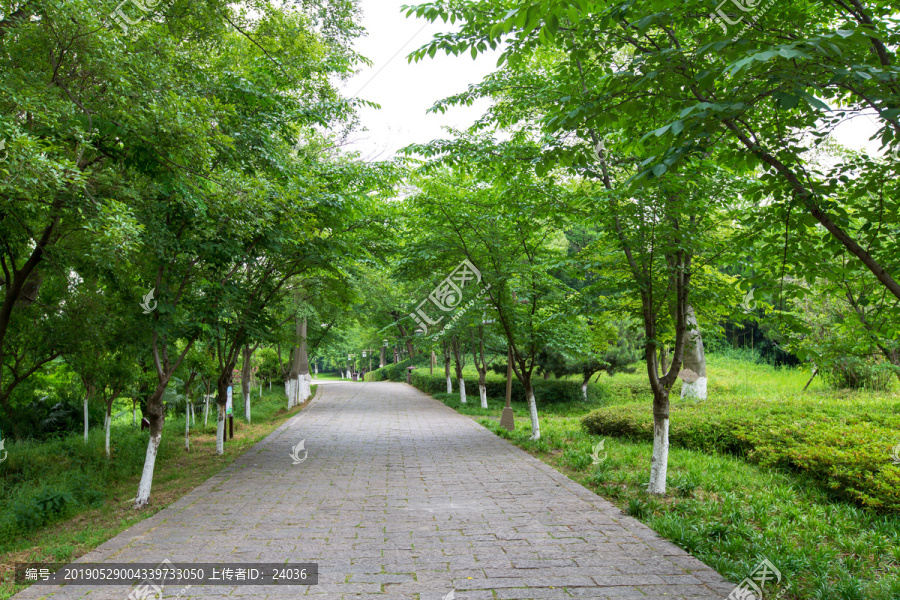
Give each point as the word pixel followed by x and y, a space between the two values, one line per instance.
pixel 406 90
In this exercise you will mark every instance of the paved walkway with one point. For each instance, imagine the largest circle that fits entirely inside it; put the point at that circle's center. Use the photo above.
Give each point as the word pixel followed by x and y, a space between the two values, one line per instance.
pixel 402 497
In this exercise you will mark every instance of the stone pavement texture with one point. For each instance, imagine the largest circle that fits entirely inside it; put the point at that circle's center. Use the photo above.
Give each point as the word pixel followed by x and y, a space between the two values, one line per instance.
pixel 402 497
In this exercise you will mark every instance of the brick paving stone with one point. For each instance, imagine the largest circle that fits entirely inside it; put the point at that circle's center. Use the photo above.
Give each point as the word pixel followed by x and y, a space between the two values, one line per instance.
pixel 402 497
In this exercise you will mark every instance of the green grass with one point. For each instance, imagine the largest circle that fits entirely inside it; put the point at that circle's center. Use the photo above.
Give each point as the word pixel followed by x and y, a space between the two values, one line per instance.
pixel 727 512
pixel 328 377
pixel 842 438
pixel 63 497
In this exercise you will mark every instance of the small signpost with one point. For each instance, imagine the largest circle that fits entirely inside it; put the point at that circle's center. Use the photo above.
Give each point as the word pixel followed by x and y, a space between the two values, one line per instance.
pixel 229 412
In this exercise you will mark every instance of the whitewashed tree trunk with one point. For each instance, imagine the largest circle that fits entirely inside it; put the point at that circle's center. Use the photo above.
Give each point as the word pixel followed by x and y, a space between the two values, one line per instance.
pixel 106 426
pixel 660 460
pixel 584 387
pixel 305 388
pixel 289 390
pixel 143 494
pixel 304 380
pixel 694 358
pixel 206 412
pixel 447 368
pixel 482 391
pixel 462 391
pixel 220 430
pixel 247 405
pixel 533 412
pixel 86 396
pixel 187 425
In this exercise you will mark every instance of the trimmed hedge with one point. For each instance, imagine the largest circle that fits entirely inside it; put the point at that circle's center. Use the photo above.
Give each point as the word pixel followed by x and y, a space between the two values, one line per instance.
pixel 391 372
pixel 546 391
pixel 845 444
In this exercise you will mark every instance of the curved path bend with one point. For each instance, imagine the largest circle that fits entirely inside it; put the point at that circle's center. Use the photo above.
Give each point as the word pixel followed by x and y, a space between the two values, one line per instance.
pixel 402 497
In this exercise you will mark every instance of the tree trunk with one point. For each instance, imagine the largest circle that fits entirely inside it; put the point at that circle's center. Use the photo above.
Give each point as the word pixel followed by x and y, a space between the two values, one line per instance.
pixel 532 410
pixel 157 416
pixel 187 422
pixel 106 425
pixel 585 378
pixel 447 369
pixel 381 359
pixel 660 459
pixel 220 429
pixel 458 364
pixel 694 358
pixel 222 384
pixel 246 373
pixel 304 381
pixel 482 391
pixel 87 396
pixel 663 360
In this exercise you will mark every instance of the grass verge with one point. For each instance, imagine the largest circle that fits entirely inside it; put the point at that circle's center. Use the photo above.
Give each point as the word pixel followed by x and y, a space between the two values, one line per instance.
pixel 88 524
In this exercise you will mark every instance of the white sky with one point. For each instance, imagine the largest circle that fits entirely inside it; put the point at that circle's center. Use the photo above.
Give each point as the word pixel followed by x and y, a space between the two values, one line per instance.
pixel 406 90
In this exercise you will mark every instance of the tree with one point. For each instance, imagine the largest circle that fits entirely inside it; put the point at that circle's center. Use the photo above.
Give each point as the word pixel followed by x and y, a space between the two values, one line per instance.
pixel 504 223
pixel 757 101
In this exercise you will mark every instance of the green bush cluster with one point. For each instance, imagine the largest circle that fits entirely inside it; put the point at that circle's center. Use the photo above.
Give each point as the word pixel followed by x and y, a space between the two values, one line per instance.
pixel 846 445
pixel 854 373
pixel 391 372
pixel 44 481
pixel 546 391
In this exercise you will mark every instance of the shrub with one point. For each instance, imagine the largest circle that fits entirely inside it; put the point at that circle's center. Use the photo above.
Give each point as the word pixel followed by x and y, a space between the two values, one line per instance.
pixel 546 391
pixel 269 367
pixel 843 445
pixel 391 372
pixel 854 373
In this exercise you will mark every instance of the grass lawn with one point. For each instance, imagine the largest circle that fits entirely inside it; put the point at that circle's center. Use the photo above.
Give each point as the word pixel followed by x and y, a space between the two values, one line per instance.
pixel 39 474
pixel 724 510
pixel 328 377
